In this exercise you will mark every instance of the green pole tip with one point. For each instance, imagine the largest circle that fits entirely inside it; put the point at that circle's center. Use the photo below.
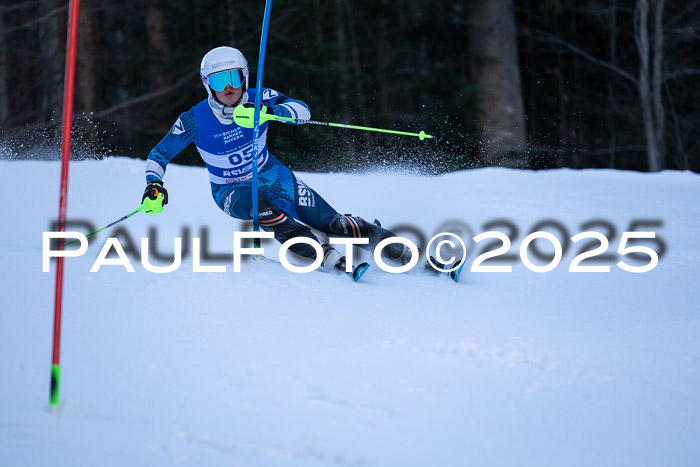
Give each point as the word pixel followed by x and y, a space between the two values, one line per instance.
pixel 55 385
pixel 422 135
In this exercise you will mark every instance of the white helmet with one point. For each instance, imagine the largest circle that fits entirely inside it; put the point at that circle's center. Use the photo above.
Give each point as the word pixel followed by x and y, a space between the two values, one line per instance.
pixel 223 59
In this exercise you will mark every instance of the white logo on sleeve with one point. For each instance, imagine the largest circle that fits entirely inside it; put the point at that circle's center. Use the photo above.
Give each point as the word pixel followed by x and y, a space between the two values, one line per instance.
pixel 179 127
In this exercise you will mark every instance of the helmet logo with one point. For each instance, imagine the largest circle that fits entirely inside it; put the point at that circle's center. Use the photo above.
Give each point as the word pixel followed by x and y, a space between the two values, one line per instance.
pixel 227 62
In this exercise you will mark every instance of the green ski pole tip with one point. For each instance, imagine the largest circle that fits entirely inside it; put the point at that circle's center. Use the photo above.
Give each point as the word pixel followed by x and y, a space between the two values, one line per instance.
pixel 55 384
pixel 422 135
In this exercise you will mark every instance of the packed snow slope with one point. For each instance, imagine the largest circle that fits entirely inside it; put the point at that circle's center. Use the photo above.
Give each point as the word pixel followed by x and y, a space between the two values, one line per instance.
pixel 270 368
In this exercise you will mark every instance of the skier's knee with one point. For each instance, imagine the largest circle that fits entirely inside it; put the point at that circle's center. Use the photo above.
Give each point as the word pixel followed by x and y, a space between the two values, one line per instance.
pixel 273 219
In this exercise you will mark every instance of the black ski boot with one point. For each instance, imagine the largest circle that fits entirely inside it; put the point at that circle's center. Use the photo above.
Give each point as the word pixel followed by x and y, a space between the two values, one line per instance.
pixel 356 227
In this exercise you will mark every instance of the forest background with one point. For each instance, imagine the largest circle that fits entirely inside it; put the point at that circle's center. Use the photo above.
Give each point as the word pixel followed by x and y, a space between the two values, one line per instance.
pixel 517 83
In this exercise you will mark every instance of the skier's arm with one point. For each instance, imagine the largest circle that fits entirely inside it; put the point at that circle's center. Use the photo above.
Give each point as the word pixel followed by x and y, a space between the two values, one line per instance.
pixel 183 132
pixel 283 106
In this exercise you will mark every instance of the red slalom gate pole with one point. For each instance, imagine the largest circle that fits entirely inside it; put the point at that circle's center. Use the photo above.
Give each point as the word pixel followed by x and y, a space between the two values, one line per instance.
pixel 68 94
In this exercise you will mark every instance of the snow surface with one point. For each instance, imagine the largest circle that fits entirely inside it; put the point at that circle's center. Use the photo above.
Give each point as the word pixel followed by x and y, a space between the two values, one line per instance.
pixel 270 368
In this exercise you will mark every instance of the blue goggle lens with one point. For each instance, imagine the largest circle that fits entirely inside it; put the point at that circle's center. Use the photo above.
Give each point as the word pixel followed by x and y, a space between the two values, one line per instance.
pixel 218 81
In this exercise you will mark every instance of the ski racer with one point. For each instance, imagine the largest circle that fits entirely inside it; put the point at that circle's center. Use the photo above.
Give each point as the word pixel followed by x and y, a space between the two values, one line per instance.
pixel 287 206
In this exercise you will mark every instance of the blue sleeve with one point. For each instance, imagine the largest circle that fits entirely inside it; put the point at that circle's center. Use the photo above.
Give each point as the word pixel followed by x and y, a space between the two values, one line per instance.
pixel 183 132
pixel 283 106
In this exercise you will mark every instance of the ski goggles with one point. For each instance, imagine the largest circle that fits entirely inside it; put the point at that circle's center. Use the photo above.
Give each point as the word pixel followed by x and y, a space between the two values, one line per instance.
pixel 218 81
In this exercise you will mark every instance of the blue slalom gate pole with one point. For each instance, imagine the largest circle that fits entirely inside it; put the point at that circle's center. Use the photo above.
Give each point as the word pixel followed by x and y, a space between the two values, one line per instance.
pixel 256 118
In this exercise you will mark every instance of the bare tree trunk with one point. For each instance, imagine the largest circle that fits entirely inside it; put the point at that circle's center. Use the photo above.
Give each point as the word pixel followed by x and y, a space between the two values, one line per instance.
pixel 650 97
pixel 496 74
pixel 86 85
pixel 4 91
pixel 120 89
pixel 356 66
pixel 320 43
pixel 531 74
pixel 50 65
pixel 612 144
pixel 230 10
pixel 343 72
pixel 158 43
pixel 383 63
pixel 575 123
pixel 318 27
pixel 683 162
pixel 563 96
pixel 642 38
pixel 657 82
pixel 341 50
pixel 156 31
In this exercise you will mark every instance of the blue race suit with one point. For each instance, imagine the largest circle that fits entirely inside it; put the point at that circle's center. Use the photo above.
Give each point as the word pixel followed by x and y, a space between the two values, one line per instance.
pixel 227 152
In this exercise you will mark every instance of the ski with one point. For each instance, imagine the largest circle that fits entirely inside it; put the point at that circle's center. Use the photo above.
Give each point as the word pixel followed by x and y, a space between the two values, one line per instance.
pixel 358 271
pixel 355 275
pixel 454 274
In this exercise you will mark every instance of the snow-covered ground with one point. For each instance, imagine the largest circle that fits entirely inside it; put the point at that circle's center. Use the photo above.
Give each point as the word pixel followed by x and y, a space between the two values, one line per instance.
pixel 270 368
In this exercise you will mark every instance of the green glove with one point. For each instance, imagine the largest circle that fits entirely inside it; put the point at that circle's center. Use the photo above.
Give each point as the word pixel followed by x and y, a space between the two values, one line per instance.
pixel 244 115
pixel 154 198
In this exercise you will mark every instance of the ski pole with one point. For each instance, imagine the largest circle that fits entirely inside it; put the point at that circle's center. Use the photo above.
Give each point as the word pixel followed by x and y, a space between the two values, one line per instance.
pixel 68 101
pixel 242 118
pixel 107 226
pixel 256 118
